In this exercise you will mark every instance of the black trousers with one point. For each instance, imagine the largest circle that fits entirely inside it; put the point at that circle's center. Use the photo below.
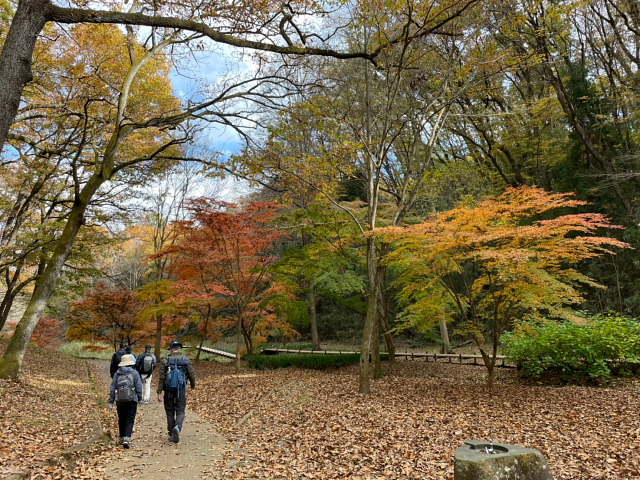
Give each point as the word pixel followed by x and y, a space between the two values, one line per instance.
pixel 174 406
pixel 126 417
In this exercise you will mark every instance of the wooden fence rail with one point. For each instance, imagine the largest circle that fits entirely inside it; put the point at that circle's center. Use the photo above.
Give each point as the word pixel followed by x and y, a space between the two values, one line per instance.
pixel 461 358
pixel 214 351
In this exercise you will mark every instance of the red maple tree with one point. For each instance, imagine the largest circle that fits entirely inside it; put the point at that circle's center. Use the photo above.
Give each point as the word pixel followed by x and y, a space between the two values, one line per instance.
pixel 222 269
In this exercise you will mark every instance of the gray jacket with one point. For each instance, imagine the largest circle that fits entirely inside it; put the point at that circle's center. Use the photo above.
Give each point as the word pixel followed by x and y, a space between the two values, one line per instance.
pixel 136 380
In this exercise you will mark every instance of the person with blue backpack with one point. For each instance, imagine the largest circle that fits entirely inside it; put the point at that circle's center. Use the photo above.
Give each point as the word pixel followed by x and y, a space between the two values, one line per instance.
pixel 145 365
pixel 175 374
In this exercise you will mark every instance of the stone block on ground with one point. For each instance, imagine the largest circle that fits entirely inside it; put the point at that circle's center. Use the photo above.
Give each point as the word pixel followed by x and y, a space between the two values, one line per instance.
pixel 474 461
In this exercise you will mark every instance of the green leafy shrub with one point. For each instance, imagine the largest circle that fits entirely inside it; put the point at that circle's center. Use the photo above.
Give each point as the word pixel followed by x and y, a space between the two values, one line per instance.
pixel 315 362
pixel 607 345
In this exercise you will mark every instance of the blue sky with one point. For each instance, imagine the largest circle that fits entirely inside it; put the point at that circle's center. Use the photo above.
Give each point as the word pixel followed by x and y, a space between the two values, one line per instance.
pixel 207 69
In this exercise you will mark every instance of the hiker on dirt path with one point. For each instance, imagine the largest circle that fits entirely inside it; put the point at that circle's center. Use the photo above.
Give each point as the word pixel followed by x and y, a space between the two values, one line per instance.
pixel 116 357
pixel 126 392
pixel 125 349
pixel 145 365
pixel 176 369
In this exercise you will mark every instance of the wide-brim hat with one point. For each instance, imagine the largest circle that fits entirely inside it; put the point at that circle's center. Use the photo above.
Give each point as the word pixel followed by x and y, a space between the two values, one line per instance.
pixel 127 361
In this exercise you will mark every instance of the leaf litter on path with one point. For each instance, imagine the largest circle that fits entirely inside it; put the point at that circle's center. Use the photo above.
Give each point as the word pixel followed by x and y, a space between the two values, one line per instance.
pixel 294 424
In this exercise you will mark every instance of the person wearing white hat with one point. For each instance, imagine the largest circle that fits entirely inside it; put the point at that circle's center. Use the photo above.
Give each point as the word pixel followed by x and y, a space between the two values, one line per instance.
pixel 126 393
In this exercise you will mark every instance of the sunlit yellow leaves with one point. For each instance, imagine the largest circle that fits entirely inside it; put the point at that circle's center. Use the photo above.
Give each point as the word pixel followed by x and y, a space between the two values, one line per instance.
pixel 497 260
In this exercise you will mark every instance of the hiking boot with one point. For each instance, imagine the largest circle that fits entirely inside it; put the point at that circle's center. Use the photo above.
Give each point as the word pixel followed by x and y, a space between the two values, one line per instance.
pixel 125 442
pixel 176 435
pixel 120 441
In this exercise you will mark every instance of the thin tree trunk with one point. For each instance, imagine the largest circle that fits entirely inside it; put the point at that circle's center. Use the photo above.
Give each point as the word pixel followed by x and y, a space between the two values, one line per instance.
pixel 375 351
pixel 494 354
pixel 385 322
pixel 388 338
pixel 239 342
pixel 200 345
pixel 370 319
pixel 248 343
pixel 5 306
pixel 313 313
pixel 491 373
pixel 158 345
pixel 13 288
pixel 444 335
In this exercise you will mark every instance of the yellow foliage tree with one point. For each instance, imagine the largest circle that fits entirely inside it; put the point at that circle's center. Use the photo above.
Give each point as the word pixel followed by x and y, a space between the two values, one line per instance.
pixel 490 263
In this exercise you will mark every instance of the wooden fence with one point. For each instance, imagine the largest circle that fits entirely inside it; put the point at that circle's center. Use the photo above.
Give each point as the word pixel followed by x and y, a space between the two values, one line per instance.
pixel 214 351
pixel 461 358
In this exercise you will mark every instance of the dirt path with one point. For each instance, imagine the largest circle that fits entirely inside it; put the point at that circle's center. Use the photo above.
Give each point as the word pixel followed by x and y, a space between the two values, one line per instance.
pixel 152 456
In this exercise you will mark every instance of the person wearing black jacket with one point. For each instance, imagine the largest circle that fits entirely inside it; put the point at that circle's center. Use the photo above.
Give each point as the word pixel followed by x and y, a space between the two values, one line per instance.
pixel 115 359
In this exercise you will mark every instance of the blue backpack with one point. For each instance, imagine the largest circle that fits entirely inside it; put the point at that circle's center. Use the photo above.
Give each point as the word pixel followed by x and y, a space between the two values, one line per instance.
pixel 176 378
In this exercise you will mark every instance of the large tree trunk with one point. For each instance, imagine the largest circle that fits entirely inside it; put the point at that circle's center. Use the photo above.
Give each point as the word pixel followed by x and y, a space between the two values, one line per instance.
pixel 11 362
pixel 15 59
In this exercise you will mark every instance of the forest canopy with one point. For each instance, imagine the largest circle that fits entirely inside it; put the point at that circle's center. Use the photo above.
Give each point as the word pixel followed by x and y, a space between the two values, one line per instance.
pixel 353 118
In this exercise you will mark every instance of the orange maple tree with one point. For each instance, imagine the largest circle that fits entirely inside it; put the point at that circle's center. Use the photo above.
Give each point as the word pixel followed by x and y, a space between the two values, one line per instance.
pixel 501 259
pixel 109 314
pixel 222 268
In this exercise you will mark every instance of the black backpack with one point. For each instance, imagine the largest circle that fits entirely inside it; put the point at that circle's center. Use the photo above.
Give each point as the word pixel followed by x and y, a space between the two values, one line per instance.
pixel 125 388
